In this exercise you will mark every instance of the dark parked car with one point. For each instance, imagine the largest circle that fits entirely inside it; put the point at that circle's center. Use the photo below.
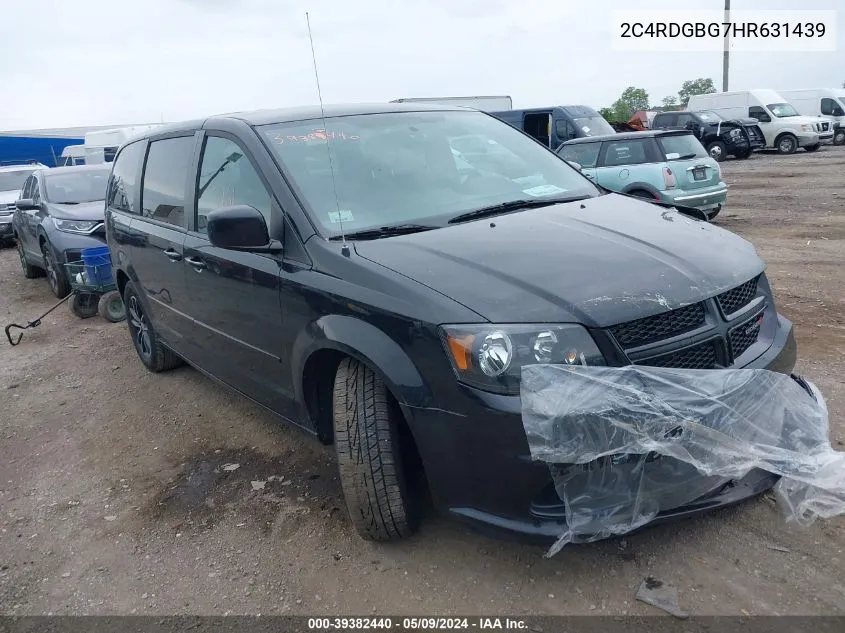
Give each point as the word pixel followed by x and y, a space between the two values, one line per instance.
pixel 721 138
pixel 59 213
pixel 346 274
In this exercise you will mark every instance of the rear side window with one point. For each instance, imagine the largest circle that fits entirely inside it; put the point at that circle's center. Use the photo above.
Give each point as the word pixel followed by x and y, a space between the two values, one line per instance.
pixel 165 179
pixel 585 154
pixel 627 152
pixel 682 146
pixel 124 179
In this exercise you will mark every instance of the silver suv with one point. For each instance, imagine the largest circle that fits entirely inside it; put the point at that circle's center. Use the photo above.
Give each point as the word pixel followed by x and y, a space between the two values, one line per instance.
pixel 12 178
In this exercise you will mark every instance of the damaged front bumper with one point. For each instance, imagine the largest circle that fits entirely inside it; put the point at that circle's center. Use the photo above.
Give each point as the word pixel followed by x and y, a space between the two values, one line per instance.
pixel 480 469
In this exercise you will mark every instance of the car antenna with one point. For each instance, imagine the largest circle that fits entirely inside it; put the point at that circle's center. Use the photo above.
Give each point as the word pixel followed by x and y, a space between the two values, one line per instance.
pixel 345 248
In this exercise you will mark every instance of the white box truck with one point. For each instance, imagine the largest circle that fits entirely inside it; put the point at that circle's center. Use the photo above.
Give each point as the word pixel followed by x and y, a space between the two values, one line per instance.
pixel 483 103
pixel 828 103
pixel 102 145
pixel 783 126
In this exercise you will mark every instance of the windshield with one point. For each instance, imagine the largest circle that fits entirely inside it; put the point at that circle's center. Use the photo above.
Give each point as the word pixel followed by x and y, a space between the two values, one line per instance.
pixel 13 180
pixel 415 167
pixel 681 146
pixel 73 188
pixel 782 110
pixel 594 126
pixel 710 117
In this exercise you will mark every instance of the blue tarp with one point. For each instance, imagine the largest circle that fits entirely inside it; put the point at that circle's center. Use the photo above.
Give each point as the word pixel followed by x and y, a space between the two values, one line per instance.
pixel 43 149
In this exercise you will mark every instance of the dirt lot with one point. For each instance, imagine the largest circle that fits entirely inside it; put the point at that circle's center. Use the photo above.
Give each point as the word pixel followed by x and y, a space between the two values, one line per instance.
pixel 112 499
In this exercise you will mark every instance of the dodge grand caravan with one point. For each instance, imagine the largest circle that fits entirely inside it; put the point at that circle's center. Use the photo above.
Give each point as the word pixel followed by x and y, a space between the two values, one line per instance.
pixel 346 274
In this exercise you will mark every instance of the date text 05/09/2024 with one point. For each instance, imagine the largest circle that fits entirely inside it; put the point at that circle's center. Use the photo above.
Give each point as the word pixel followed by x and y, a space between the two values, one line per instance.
pixel 415 623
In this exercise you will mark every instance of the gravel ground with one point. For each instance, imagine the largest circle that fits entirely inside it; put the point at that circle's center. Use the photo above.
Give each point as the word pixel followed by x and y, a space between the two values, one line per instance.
pixel 114 498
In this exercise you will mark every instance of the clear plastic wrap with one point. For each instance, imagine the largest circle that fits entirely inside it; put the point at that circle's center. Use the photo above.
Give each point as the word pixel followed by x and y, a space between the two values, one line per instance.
pixel 626 443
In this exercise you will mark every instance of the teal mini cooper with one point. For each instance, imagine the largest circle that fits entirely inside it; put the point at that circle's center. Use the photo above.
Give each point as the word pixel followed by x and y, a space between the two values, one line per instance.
pixel 666 165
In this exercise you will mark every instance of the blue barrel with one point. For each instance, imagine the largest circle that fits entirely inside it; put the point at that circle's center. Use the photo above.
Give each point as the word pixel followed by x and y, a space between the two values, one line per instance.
pixel 97 265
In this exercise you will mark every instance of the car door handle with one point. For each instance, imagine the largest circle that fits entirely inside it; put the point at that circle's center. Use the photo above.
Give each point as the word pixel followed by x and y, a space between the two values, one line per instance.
pixel 173 255
pixel 197 264
pixel 590 176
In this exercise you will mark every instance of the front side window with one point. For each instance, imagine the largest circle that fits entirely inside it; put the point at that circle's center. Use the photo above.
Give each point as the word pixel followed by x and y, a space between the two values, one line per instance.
pixel 401 167
pixel 627 152
pixel 165 178
pixel 681 146
pixel 36 191
pixel 14 180
pixel 74 188
pixel 228 178
pixel 585 154
pixel 124 178
pixel 831 107
pixel 26 191
pixel 756 112
pixel 782 110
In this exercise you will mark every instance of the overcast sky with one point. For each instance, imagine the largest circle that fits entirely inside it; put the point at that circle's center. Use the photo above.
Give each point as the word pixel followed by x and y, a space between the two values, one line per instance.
pixel 103 62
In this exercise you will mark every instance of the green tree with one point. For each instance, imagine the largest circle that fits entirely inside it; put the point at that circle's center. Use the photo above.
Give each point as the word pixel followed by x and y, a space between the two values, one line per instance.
pixel 700 86
pixel 669 101
pixel 607 113
pixel 634 99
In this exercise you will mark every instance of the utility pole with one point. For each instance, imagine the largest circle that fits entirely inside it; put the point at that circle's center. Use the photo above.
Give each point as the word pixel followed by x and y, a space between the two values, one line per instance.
pixel 726 55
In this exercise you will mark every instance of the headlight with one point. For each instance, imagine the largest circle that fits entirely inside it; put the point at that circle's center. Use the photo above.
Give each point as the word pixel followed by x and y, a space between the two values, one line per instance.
pixel 491 357
pixel 806 128
pixel 76 226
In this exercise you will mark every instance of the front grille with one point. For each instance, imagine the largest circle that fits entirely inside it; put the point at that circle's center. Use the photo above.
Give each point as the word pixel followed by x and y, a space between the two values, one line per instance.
pixel 745 335
pixel 737 298
pixel 701 356
pixel 659 326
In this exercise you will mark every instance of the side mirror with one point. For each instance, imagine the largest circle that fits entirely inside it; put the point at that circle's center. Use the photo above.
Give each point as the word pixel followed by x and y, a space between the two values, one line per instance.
pixel 575 165
pixel 240 228
pixel 26 204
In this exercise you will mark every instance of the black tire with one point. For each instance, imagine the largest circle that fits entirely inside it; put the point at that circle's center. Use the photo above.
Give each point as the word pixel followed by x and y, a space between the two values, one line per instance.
pixel 642 193
pixel 839 137
pixel 29 271
pixel 812 148
pixel 155 356
pixel 717 151
pixel 56 275
pixel 743 155
pixel 370 458
pixel 786 144
pixel 84 304
pixel 711 215
pixel 111 307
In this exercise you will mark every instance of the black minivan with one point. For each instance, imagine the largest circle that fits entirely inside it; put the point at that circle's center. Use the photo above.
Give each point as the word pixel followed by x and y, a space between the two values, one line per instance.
pixel 358 275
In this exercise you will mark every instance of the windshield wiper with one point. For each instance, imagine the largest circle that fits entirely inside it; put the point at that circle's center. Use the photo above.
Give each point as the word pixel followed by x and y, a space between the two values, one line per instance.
pixel 386 231
pixel 513 205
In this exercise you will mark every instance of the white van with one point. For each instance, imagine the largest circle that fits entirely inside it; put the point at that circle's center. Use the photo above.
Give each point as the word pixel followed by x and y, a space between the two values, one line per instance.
pixel 824 102
pixel 784 128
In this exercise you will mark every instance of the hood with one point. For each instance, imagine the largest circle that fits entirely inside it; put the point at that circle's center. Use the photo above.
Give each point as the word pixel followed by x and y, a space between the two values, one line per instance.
pixel 747 121
pixel 598 262
pixel 803 120
pixel 7 197
pixel 82 211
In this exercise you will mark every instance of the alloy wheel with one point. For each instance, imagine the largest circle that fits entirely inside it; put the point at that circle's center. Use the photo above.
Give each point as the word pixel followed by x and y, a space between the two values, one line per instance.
pixel 50 267
pixel 140 329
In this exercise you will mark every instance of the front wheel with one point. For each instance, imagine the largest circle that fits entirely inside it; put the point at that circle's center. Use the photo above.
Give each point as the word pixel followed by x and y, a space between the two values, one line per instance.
pixel 155 356
pixel 812 148
pixel 743 155
pixel 787 144
pixel 370 458
pixel 716 149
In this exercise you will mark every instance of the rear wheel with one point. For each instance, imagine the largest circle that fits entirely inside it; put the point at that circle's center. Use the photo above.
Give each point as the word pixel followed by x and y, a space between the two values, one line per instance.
pixel 29 271
pixel 812 148
pixel 111 307
pixel 370 458
pixel 717 152
pixel 56 276
pixel 155 356
pixel 642 193
pixel 786 144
